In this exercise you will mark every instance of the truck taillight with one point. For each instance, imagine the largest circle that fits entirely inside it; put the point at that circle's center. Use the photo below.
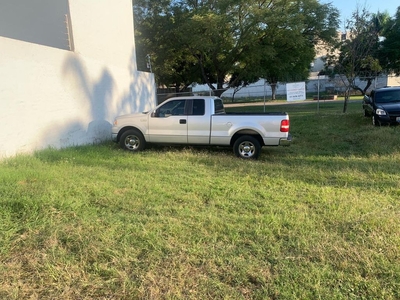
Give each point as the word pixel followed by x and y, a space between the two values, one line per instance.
pixel 285 126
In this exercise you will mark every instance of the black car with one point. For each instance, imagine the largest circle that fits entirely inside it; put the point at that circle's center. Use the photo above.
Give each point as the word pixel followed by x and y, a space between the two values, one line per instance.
pixel 383 105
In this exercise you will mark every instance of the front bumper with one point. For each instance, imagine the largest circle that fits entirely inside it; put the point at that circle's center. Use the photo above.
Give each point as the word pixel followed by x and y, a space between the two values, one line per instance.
pixel 286 141
pixel 387 119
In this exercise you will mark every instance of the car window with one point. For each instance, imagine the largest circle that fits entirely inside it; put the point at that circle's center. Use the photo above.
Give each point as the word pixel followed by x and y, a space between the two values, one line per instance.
pixel 198 107
pixel 219 106
pixel 172 108
pixel 387 96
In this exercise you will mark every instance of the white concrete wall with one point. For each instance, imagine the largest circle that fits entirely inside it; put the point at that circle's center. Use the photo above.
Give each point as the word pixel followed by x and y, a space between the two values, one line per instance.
pixel 103 30
pixel 58 98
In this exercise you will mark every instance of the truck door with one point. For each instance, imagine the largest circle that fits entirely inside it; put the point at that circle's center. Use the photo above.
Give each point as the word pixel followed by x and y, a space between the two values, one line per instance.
pixel 169 123
pixel 199 122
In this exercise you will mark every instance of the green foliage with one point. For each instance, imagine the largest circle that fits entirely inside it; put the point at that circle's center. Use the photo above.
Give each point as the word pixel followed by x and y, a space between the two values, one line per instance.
pixel 358 52
pixel 156 35
pixel 390 48
pixel 289 49
pixel 316 220
pixel 370 48
pixel 232 43
pixel 356 57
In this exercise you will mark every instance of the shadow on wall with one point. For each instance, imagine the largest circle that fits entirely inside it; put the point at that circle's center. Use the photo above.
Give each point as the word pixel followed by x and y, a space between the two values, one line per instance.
pixel 98 94
pixel 141 95
pixel 92 102
pixel 85 116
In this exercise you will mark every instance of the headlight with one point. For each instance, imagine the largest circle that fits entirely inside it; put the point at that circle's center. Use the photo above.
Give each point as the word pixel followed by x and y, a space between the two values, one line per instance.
pixel 380 112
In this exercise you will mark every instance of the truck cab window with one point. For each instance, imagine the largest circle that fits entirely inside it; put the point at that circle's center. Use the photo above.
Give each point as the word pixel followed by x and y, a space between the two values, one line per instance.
pixel 219 106
pixel 198 107
pixel 171 108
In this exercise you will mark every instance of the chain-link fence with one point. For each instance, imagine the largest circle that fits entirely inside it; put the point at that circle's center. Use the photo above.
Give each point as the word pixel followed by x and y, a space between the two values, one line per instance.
pixel 320 87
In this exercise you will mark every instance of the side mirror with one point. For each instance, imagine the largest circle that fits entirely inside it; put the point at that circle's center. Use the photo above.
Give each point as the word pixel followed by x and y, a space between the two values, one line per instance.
pixel 154 114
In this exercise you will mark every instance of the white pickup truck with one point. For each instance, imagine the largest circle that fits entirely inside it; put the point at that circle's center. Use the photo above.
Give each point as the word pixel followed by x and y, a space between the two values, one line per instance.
pixel 199 120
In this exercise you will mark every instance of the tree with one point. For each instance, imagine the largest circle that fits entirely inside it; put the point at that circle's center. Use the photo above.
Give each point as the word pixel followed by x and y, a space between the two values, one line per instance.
pixel 233 43
pixel 155 30
pixel 389 51
pixel 239 81
pixel 355 56
pixel 291 51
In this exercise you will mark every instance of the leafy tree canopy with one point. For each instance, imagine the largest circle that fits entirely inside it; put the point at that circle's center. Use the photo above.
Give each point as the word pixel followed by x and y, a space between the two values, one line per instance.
pixel 356 55
pixel 389 52
pixel 231 42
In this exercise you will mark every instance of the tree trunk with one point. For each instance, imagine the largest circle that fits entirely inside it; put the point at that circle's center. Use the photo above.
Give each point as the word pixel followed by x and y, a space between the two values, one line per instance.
pixel 218 92
pixel 369 83
pixel 273 91
pixel 233 96
pixel 346 100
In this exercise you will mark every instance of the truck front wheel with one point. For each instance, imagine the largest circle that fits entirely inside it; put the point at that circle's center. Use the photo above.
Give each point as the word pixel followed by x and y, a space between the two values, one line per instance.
pixel 247 147
pixel 132 140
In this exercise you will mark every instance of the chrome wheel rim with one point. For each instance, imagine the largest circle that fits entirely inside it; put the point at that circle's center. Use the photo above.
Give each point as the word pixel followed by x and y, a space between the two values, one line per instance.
pixel 246 149
pixel 132 142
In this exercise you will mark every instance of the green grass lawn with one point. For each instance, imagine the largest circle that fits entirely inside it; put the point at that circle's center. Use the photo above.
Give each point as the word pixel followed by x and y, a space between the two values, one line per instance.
pixel 317 220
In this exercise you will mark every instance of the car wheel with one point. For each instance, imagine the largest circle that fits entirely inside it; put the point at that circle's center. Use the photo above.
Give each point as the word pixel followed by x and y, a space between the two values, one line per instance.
pixel 247 147
pixel 132 140
pixel 366 114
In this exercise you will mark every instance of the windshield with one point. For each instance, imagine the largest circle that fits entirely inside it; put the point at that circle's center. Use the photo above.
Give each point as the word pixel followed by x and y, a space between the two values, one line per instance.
pixel 387 96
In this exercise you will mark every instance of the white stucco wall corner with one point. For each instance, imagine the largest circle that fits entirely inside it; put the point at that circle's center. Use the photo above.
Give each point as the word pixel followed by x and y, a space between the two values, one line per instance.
pixel 103 30
pixel 58 98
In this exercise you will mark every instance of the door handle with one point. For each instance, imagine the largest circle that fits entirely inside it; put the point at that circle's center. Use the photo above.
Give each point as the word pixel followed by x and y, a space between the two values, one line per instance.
pixel 182 121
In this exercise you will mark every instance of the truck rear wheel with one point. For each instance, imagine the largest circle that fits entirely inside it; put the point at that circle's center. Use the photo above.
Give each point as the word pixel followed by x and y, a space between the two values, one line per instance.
pixel 132 140
pixel 247 147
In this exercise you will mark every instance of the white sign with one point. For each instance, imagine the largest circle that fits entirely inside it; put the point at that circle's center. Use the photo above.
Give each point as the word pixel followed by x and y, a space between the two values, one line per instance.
pixel 296 91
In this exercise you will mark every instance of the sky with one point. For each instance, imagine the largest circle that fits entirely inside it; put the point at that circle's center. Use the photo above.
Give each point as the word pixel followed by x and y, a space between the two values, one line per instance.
pixel 346 7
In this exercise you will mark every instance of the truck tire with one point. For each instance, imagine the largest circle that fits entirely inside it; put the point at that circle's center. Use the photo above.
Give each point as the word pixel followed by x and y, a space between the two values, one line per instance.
pixel 247 147
pixel 132 140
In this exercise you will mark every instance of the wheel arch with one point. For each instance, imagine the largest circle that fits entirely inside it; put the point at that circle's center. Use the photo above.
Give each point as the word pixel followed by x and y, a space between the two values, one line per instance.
pixel 243 132
pixel 126 128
